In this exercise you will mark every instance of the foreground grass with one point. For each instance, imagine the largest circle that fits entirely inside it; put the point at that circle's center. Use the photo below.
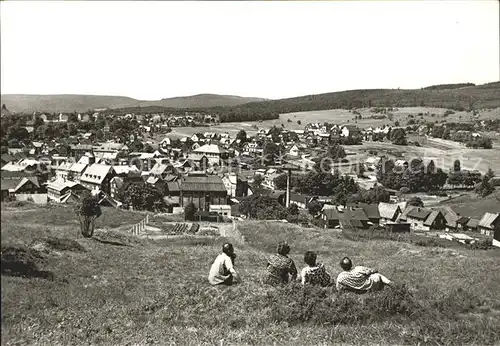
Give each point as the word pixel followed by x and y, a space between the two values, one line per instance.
pixel 155 292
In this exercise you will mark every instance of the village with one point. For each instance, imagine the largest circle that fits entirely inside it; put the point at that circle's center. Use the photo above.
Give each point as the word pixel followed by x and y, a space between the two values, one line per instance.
pixel 220 176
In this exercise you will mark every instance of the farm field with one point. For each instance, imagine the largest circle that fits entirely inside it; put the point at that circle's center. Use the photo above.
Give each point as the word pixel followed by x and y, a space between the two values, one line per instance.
pixel 135 292
pixel 443 152
pixel 337 116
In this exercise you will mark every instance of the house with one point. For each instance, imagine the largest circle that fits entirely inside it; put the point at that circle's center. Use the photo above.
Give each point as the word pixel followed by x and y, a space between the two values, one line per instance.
pixel 59 190
pixel 370 210
pixel 335 217
pixel 200 189
pixel 118 182
pixel 294 151
pixel 388 212
pixel 423 219
pixel 21 187
pixel 350 131
pixel 213 152
pixel 236 185
pixel 471 225
pixel 221 209
pixel 7 158
pixel 165 143
pixel 79 150
pixel 97 177
pixel 489 224
pixel 300 200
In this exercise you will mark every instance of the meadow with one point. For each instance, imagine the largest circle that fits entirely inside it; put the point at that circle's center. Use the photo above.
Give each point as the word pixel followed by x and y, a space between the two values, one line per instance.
pixel 335 116
pixel 133 291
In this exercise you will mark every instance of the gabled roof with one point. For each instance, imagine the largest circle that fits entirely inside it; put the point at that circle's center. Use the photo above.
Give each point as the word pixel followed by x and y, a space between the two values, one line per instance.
pixel 432 217
pixel 418 213
pixel 96 173
pixel 210 148
pixel 488 220
pixel 60 184
pixel 388 210
pixel 472 223
pixel 370 210
pixel 78 167
pixel 211 183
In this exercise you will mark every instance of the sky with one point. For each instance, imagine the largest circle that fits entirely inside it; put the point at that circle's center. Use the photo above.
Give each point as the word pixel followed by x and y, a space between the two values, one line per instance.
pixel 153 50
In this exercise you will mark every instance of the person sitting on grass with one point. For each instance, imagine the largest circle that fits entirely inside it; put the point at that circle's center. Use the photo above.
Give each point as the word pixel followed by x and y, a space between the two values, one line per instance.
pixel 222 270
pixel 280 268
pixel 360 279
pixel 314 274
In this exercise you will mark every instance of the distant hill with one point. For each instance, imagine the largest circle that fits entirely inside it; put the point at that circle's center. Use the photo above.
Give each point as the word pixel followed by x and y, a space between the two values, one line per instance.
pixel 81 103
pixel 202 100
pixel 233 108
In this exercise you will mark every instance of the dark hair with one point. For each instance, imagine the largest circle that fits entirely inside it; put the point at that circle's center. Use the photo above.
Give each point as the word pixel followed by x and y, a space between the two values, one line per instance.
pixel 228 249
pixel 310 258
pixel 346 263
pixel 283 248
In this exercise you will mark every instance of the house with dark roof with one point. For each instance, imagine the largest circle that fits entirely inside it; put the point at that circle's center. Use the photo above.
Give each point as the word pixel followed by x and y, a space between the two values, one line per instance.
pixel 20 187
pixel 301 201
pixel 423 219
pixel 370 210
pixel 347 218
pixel 471 225
pixel 200 189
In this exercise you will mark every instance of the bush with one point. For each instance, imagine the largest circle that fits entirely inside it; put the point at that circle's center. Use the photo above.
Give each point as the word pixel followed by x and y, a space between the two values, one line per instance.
pixel 483 244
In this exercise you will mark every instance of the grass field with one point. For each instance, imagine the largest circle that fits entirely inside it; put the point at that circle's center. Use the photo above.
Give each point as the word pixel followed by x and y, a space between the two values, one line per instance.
pixel 156 292
pixel 338 116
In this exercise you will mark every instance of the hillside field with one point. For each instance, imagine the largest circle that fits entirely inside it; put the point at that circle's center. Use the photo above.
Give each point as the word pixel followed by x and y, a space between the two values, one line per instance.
pixel 128 291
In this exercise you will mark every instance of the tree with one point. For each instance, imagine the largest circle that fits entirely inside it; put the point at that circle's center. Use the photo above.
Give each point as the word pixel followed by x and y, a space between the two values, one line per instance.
pixel 485 188
pixel 87 212
pixel 314 207
pixel 299 122
pixel 457 166
pixel 190 212
pixel 257 181
pixel 148 148
pixel 398 137
pixel 271 153
pixel 280 181
pixel 263 208
pixel 416 202
pixel 242 136
pixel 293 209
pixel 490 174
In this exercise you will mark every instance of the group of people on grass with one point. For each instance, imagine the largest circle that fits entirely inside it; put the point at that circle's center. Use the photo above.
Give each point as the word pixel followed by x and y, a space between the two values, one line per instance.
pixel 281 270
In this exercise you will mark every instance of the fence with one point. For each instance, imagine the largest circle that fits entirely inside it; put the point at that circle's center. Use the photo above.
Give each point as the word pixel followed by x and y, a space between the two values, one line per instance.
pixel 138 228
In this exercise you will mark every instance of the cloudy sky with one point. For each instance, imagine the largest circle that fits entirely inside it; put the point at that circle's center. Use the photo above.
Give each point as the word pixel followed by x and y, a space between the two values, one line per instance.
pixel 153 50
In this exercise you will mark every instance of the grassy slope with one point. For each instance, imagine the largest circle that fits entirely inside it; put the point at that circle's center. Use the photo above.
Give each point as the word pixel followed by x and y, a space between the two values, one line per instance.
pixel 474 206
pixel 156 292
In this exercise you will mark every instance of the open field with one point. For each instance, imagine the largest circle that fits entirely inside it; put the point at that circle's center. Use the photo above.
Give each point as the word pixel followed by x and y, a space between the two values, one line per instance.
pixel 155 292
pixel 474 206
pixel 443 152
pixel 336 116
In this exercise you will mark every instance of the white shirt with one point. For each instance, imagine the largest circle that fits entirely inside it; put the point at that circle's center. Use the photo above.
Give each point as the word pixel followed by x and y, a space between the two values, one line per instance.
pixel 221 269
